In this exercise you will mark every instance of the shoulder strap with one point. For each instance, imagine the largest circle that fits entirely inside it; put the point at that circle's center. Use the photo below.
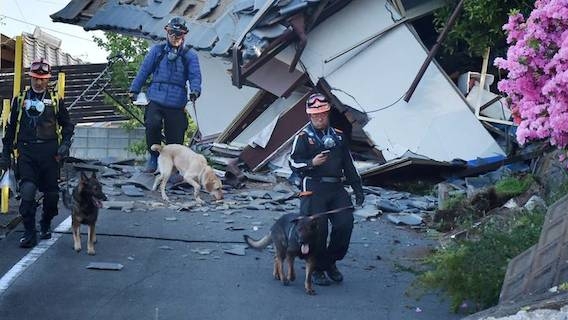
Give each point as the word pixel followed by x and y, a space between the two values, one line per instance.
pixel 184 52
pixel 159 58
pixel 21 97
pixel 55 101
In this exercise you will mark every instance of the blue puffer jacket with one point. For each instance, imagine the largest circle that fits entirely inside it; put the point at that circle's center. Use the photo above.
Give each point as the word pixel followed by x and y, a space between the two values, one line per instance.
pixel 168 86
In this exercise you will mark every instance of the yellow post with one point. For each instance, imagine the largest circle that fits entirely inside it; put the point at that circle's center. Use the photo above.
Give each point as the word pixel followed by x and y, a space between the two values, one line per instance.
pixel 5 114
pixel 61 85
pixel 4 206
pixel 18 65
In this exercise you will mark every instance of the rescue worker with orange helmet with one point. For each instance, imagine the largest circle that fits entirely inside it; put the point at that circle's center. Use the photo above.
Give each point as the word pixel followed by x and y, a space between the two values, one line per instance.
pixel 40 129
pixel 321 157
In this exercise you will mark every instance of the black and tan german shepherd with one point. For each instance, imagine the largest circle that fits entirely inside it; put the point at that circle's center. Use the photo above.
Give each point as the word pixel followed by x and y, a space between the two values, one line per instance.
pixel 293 236
pixel 86 199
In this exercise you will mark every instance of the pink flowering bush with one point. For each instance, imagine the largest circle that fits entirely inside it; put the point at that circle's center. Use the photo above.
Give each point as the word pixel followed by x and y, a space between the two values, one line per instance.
pixel 537 65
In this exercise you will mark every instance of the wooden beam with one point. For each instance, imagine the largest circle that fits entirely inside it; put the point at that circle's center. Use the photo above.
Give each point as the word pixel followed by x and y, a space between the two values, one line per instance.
pixel 299 26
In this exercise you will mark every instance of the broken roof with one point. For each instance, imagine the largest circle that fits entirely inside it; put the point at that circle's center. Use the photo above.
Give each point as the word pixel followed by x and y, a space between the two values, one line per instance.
pixel 374 76
pixel 215 25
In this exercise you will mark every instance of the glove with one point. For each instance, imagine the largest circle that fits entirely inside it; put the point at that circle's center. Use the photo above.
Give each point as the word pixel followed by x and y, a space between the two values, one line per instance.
pixel 359 199
pixel 4 162
pixel 63 151
pixel 133 96
pixel 194 95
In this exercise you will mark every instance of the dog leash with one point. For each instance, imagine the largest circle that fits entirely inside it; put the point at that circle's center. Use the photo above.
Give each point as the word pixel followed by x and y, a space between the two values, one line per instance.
pixel 333 211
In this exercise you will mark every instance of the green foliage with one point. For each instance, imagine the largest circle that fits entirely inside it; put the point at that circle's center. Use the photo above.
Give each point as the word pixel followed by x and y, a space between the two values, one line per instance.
pixel 138 147
pixel 480 25
pixel 513 186
pixel 471 270
pixel 454 201
pixel 122 72
pixel 555 195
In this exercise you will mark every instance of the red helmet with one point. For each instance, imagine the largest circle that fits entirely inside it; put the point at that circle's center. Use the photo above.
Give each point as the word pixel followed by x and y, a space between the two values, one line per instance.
pixel 317 103
pixel 40 69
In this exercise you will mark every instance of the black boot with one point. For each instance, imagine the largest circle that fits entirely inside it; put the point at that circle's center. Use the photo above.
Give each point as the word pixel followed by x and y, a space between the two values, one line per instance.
pixel 27 211
pixel 319 278
pixel 334 274
pixel 29 239
pixel 45 228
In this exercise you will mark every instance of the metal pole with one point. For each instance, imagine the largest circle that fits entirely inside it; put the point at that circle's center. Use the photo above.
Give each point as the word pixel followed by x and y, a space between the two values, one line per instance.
pixel 434 50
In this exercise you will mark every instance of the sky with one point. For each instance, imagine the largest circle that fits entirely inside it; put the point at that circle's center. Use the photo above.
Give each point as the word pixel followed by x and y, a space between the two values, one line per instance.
pixel 24 15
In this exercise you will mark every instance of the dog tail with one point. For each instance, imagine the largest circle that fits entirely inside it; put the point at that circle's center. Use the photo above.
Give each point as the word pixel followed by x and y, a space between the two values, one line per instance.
pixel 258 244
pixel 156 147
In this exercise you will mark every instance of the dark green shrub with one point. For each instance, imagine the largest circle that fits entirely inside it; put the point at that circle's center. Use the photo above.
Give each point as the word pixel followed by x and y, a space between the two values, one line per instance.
pixel 471 270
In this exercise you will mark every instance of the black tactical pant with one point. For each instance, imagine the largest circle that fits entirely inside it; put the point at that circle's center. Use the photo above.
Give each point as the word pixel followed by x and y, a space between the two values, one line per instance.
pixel 328 196
pixel 38 170
pixel 173 121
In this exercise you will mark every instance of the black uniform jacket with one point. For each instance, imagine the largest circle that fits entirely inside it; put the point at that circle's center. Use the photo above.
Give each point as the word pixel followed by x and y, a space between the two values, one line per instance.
pixel 307 144
pixel 37 127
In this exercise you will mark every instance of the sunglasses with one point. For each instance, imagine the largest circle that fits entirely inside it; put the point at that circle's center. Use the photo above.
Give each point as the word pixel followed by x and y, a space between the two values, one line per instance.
pixel 40 66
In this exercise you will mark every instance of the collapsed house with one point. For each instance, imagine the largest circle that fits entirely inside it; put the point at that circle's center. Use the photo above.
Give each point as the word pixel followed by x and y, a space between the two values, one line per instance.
pixel 363 55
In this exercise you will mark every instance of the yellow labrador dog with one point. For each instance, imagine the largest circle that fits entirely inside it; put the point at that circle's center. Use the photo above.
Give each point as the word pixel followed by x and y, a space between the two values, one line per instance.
pixel 192 166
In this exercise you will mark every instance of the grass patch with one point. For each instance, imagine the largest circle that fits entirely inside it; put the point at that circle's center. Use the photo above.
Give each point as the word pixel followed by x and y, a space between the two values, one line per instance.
pixel 513 186
pixel 454 201
pixel 471 270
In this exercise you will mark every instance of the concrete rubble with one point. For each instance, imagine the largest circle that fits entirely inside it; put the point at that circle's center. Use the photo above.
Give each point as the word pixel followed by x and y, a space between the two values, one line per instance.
pixel 127 194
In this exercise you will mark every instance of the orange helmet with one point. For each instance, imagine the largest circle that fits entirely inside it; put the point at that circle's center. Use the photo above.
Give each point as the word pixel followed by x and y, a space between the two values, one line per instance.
pixel 40 69
pixel 317 103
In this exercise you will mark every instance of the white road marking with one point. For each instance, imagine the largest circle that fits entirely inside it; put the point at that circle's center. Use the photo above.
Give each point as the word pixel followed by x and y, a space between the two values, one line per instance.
pixel 19 268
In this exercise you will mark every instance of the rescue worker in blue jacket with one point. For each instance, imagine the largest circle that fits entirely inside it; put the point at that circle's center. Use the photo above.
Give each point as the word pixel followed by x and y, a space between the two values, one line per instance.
pixel 40 130
pixel 320 155
pixel 171 65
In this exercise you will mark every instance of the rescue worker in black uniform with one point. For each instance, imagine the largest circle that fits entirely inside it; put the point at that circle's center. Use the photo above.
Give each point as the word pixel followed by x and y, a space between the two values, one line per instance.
pixel 40 130
pixel 321 156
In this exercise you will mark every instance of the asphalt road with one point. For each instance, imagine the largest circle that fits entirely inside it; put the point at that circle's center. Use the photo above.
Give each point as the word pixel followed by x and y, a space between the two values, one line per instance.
pixel 175 267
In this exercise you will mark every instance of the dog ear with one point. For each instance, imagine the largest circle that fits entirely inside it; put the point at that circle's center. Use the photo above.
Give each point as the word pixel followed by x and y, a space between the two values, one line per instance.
pixel 83 176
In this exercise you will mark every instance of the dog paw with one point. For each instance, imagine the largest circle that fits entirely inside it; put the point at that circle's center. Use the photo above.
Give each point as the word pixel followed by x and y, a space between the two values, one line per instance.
pixel 286 283
pixel 292 278
pixel 310 292
pixel 276 277
pixel 77 248
pixel 91 252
